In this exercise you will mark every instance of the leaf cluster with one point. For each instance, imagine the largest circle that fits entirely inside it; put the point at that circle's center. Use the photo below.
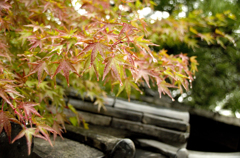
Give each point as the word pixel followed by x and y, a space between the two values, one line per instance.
pixel 48 42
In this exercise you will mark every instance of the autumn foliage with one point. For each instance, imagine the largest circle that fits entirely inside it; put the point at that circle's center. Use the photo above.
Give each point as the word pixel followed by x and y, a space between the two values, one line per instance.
pixel 45 42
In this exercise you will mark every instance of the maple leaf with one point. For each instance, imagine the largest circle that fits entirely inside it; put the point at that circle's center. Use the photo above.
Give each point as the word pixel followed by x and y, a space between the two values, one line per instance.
pixel 5 5
pixel 136 24
pixel 191 43
pixel 107 25
pixel 144 44
pixel 9 88
pixel 20 79
pixel 127 29
pixel 163 87
pixel 110 36
pixel 6 89
pixel 184 57
pixel 28 132
pixel 194 64
pixel 142 73
pixel 60 119
pixel 58 130
pixel 65 65
pixel 96 47
pixel 220 42
pixel 28 108
pixel 111 64
pixel 127 84
pixel 35 27
pixel 5 119
pixel 130 55
pixel 43 129
pixel 100 103
pixel 34 42
pixel 40 66
pixel 207 37
pixel 4 52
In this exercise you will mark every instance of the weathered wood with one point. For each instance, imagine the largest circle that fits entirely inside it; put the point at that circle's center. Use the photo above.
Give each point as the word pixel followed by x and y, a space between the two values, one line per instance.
pixel 119 133
pixel 113 147
pixel 174 152
pixel 109 101
pixel 168 150
pixel 91 118
pixel 165 122
pixel 64 149
pixel 163 101
pixel 165 135
pixel 160 111
pixel 165 149
pixel 140 153
pixel 110 111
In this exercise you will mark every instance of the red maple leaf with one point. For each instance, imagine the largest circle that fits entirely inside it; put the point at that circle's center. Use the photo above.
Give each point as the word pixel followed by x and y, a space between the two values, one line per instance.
pixel 142 73
pixel 40 66
pixel 65 65
pixel 96 47
pixel 35 42
pixel 8 88
pixel 163 87
pixel 127 29
pixel 110 36
pixel 29 109
pixel 5 5
pixel 44 130
pixel 28 132
pixel 4 52
pixel 5 119
pixel 107 25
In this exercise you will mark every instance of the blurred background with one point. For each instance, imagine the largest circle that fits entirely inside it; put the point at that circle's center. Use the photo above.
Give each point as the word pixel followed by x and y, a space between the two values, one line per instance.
pixel 216 84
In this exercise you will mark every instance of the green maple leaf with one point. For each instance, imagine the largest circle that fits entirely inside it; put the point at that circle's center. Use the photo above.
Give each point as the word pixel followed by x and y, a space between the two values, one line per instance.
pixel 207 37
pixel 112 63
pixel 127 84
pixel 194 64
